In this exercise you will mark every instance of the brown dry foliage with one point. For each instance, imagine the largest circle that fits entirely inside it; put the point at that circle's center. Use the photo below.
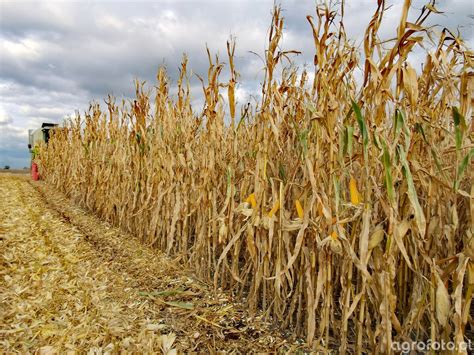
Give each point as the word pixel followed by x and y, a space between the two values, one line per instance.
pixel 342 208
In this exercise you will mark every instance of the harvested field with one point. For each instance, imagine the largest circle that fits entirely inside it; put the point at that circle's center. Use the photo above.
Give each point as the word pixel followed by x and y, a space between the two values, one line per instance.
pixel 14 171
pixel 71 282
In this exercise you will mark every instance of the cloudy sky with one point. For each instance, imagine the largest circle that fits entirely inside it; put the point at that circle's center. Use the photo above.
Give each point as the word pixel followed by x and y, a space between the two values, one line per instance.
pixel 57 56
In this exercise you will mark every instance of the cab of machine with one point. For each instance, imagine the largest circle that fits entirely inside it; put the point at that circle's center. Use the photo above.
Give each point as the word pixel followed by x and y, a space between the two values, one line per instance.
pixel 35 137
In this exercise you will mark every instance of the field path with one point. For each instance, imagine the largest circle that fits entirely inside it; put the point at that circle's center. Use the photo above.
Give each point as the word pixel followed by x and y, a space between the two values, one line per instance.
pixel 69 281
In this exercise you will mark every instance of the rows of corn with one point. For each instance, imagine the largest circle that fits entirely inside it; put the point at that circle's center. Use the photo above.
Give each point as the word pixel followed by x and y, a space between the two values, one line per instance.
pixel 341 207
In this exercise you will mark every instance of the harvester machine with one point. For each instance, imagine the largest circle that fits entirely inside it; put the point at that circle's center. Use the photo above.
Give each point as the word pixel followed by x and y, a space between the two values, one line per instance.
pixel 35 138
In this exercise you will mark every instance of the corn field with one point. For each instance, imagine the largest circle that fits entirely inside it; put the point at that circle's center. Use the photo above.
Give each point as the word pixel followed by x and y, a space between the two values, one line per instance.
pixel 340 206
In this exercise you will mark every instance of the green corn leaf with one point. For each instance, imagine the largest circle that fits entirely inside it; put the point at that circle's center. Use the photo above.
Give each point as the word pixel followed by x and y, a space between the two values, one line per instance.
pixel 459 119
pixel 350 139
pixel 388 173
pixel 348 114
pixel 399 123
pixel 337 190
pixel 282 172
pixel 311 108
pixel 462 167
pixel 388 244
pixel 362 126
pixel 347 139
pixel 376 140
pixel 303 140
pixel 412 195
pixel 419 129
pixel 242 119
pixel 342 143
pixel 459 127
pixel 437 163
pixel 184 305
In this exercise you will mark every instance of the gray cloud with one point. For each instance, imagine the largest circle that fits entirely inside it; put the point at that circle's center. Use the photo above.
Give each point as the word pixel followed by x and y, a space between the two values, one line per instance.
pixel 58 56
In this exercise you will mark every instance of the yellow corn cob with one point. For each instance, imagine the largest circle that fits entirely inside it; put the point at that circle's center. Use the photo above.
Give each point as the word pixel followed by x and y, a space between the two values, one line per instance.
pixel 299 208
pixel 274 209
pixel 355 195
pixel 251 200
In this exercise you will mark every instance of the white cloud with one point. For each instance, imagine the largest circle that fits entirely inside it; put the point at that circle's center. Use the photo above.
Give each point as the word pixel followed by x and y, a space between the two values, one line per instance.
pixel 111 22
pixel 26 48
pixel 4 117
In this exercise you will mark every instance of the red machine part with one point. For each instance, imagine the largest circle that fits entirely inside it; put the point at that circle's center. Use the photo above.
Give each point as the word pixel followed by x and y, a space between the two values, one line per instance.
pixel 34 172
